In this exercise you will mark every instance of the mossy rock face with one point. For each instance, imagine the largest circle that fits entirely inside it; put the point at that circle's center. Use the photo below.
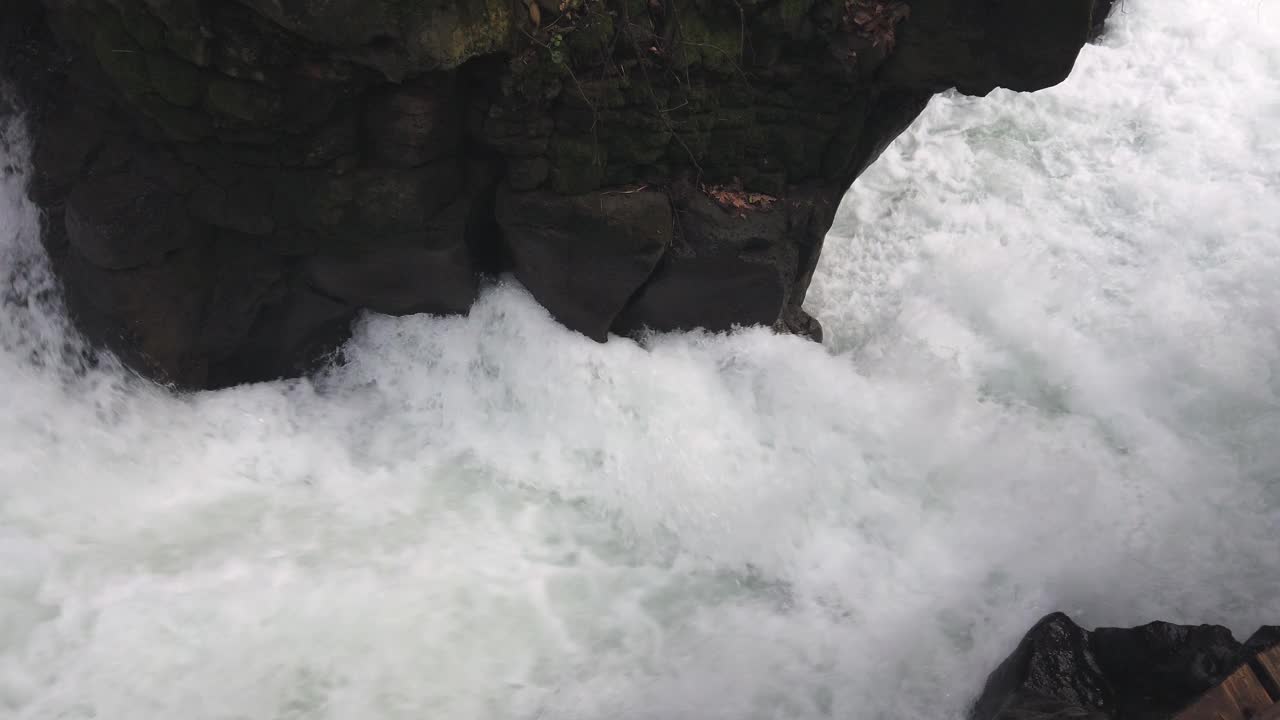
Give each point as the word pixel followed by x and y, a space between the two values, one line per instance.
pixel 578 164
pixel 417 34
pixel 635 163
pixel 447 33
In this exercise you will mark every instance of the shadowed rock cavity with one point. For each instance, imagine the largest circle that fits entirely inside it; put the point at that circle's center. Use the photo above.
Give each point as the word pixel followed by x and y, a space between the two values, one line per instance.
pixel 226 185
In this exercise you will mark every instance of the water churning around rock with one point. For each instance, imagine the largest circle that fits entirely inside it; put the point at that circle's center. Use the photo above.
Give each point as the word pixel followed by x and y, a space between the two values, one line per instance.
pixel 1051 381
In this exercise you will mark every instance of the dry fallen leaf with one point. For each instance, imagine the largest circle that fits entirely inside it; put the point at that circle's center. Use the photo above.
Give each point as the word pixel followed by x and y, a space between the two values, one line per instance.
pixel 733 197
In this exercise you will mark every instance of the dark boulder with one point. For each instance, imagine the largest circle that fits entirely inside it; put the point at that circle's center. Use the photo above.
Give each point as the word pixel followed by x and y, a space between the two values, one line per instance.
pixel 415 123
pixel 118 309
pixel 1051 674
pixel 1152 672
pixel 399 280
pixel 714 293
pixel 979 45
pixel 124 219
pixel 294 333
pixel 584 256
pixel 1158 668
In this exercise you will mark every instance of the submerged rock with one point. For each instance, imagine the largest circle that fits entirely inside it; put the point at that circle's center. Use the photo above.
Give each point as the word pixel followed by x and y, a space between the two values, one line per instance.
pixel 227 184
pixel 1152 672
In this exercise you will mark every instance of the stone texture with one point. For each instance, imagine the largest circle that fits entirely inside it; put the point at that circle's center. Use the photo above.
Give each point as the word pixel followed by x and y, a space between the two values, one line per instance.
pixel 584 256
pixel 413 124
pixel 292 334
pixel 398 280
pixel 1157 668
pixel 119 220
pixel 714 293
pixel 1151 672
pixel 319 157
pixel 979 46
pixel 1051 674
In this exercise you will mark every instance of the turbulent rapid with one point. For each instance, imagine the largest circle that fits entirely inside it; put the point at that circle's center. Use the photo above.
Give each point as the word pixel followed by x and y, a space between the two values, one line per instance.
pixel 1051 381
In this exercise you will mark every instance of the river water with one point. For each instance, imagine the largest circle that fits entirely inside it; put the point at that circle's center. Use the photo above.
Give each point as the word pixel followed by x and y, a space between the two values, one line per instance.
pixel 1051 381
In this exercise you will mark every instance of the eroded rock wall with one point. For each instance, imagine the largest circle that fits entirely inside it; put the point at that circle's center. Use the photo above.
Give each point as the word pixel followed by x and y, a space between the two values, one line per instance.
pixel 227 183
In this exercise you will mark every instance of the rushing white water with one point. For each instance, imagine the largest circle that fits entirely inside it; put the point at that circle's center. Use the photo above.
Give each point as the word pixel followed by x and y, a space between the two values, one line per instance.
pixel 1052 381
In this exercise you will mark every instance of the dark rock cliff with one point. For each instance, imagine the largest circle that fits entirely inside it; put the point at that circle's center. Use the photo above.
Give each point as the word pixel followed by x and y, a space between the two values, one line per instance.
pixel 226 183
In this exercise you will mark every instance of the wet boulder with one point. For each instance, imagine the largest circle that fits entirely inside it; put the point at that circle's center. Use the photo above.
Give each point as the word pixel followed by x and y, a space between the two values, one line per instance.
pixel 1051 674
pixel 1158 671
pixel 584 256
pixel 708 292
pixel 978 45
pixel 1160 667
pixel 398 280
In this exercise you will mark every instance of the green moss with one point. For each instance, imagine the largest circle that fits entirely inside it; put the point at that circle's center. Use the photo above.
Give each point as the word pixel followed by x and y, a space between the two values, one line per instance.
pixel 448 34
pixel 717 46
pixel 635 10
pixel 794 9
pixel 578 164
pixel 589 39
pixel 725 149
pixel 685 144
pixel 600 95
pixel 638 146
pixel 536 77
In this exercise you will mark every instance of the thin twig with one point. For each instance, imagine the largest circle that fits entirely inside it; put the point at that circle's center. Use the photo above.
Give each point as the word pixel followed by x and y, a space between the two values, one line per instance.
pixel 626 192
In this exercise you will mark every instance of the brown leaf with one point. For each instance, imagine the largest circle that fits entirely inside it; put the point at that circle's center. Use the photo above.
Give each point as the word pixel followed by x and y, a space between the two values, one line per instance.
pixel 732 197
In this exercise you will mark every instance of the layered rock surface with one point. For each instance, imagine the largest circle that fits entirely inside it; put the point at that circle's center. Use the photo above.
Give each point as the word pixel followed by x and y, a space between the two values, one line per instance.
pixel 227 183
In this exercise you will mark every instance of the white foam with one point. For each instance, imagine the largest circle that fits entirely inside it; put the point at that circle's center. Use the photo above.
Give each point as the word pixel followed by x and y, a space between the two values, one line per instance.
pixel 1051 383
